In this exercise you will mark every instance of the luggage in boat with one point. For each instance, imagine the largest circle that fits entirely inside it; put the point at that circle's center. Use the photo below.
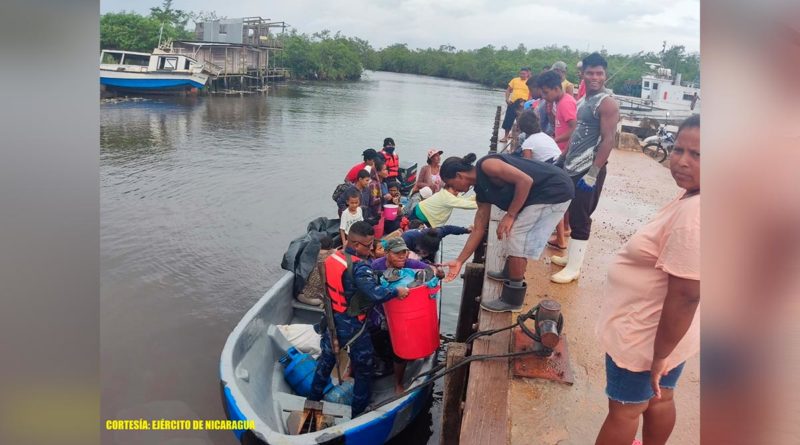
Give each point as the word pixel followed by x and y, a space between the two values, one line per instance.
pixel 299 374
pixel 341 393
pixel 407 175
pixel 299 371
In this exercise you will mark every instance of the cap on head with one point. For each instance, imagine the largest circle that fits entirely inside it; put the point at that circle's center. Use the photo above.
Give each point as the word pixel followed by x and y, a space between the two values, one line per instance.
pixel 433 152
pixel 560 66
pixel 426 192
pixel 395 245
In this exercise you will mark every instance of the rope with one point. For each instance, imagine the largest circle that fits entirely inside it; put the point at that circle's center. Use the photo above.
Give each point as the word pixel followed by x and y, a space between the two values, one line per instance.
pixel 466 361
pixel 435 371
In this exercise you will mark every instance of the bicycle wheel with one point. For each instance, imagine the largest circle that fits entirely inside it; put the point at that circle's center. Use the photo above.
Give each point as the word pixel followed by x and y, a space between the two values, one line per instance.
pixel 655 151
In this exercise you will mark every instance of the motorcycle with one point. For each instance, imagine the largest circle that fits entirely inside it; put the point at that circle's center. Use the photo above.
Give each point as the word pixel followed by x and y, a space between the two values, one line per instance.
pixel 659 146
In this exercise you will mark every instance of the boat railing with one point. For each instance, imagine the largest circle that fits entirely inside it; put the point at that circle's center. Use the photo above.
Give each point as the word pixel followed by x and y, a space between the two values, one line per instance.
pixel 211 68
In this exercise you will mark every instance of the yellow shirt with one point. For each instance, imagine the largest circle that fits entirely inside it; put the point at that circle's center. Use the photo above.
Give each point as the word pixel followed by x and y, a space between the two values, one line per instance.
pixel 437 208
pixel 519 89
pixel 566 83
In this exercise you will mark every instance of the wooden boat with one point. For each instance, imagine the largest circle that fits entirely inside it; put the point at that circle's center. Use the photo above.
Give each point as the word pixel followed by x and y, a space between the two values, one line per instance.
pixel 253 387
pixel 156 73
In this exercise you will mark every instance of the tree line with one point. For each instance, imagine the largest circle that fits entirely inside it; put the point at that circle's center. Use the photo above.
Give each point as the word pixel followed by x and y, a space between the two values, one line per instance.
pixel 327 56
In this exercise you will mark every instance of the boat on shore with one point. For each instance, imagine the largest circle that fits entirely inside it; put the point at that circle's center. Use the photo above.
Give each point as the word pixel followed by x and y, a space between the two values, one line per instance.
pixel 160 72
pixel 254 389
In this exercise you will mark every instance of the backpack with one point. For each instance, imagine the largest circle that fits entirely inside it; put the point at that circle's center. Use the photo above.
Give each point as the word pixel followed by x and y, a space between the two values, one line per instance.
pixel 339 191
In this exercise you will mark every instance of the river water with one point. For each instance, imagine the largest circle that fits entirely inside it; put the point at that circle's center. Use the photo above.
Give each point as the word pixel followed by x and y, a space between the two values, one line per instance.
pixel 201 196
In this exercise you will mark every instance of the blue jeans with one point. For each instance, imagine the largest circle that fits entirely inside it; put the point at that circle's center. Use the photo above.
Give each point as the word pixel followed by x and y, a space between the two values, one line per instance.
pixel 361 360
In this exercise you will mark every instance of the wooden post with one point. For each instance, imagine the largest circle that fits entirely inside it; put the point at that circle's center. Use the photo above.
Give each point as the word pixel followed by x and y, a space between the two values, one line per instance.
pixel 480 252
pixel 470 292
pixel 495 131
pixel 454 384
pixel 485 417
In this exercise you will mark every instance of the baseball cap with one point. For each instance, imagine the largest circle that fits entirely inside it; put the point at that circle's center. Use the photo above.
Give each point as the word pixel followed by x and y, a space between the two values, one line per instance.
pixel 561 66
pixel 433 152
pixel 395 245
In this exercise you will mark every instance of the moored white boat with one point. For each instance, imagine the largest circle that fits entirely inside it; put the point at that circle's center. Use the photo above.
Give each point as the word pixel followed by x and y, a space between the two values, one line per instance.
pixel 156 73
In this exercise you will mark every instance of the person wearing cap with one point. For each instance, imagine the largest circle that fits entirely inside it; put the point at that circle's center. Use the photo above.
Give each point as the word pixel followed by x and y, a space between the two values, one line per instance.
pixel 390 157
pixel 429 174
pixel 397 258
pixel 352 288
pixel 561 68
pixel 369 156
pixel 517 89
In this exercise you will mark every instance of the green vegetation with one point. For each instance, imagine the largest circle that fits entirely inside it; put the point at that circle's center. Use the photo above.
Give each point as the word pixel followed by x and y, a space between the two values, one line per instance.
pixel 495 67
pixel 133 32
pixel 323 56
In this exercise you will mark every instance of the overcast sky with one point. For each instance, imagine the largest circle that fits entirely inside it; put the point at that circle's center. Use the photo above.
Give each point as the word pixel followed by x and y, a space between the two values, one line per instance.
pixel 619 26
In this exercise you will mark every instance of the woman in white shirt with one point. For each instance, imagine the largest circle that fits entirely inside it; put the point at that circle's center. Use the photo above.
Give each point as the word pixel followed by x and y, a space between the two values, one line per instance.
pixel 537 145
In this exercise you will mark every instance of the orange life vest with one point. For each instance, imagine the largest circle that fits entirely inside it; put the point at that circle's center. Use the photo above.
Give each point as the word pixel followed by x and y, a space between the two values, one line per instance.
pixel 392 163
pixel 335 267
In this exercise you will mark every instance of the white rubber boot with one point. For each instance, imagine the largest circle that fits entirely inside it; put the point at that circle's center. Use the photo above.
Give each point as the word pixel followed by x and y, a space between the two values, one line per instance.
pixel 561 260
pixel 575 253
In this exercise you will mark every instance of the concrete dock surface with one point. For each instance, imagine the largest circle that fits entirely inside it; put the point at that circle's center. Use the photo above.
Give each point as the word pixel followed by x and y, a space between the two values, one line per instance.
pixel 547 413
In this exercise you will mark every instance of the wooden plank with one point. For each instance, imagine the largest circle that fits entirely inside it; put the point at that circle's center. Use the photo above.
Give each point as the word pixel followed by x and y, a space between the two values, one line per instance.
pixel 470 305
pixel 453 394
pixel 485 417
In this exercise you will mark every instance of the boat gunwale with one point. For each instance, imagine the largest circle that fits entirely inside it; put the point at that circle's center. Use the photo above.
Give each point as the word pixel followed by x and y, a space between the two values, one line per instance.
pixel 263 431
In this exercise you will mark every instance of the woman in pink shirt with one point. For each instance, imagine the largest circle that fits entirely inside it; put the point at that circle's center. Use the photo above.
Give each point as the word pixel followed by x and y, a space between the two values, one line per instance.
pixel 648 324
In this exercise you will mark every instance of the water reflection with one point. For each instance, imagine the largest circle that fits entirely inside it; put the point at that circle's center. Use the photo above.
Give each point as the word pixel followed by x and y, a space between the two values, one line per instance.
pixel 200 197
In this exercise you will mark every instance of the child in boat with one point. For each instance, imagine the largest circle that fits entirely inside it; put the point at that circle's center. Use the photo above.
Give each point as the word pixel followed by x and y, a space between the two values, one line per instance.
pixel 394 190
pixel 377 249
pixel 425 241
pixel 352 214
pixel 352 288
pixel 396 257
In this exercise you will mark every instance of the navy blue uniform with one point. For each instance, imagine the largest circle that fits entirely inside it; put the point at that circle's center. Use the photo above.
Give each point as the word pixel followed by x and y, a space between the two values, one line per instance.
pixel 361 351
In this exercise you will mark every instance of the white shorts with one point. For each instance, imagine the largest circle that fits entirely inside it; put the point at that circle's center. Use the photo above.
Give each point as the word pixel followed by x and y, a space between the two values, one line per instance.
pixel 532 229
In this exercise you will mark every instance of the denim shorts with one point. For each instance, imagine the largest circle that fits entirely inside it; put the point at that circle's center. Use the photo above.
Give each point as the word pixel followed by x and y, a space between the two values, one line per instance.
pixel 626 386
pixel 532 228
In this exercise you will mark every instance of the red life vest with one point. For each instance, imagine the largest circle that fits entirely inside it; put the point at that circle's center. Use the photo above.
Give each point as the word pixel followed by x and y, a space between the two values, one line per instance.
pixel 392 163
pixel 335 267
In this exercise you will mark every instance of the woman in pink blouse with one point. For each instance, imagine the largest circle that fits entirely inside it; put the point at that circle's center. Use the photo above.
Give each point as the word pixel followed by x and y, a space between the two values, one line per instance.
pixel 429 174
pixel 648 323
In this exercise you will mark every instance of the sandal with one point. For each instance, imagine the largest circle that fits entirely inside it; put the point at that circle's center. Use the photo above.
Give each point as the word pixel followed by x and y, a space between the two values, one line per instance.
pixel 553 245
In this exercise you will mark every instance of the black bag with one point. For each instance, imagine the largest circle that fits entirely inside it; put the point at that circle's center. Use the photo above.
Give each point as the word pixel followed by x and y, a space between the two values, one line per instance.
pixel 339 191
pixel 371 219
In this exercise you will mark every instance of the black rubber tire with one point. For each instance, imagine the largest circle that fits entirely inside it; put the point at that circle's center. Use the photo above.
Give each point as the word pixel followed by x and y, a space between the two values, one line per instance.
pixel 655 151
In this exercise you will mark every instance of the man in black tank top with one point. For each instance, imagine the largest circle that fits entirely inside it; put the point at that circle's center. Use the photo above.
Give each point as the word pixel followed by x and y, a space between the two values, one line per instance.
pixel 534 196
pixel 585 161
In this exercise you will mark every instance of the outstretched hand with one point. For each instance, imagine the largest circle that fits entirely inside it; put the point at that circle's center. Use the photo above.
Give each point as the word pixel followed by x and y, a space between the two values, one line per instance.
pixel 453 269
pixel 402 292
